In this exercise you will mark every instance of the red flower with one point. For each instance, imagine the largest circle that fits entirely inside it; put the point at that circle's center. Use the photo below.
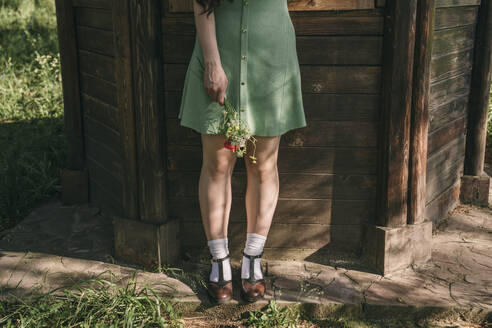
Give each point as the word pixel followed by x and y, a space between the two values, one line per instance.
pixel 228 145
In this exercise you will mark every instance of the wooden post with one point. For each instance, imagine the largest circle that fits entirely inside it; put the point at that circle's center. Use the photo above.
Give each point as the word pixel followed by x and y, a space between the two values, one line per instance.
pixel 391 244
pixel 398 47
pixel 74 178
pixel 480 92
pixel 146 40
pixel 420 111
pixel 70 83
pixel 475 183
pixel 145 235
pixel 126 109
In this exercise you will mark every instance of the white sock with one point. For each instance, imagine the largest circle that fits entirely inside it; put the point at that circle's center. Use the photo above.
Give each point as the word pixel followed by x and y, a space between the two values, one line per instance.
pixel 254 246
pixel 219 249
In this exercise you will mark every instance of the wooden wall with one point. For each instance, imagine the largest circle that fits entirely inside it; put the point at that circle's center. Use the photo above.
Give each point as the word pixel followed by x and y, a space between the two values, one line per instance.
pixel 95 51
pixel 452 59
pixel 327 170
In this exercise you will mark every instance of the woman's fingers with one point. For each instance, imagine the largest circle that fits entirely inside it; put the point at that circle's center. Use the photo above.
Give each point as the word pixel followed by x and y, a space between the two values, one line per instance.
pixel 221 95
pixel 215 81
pixel 222 90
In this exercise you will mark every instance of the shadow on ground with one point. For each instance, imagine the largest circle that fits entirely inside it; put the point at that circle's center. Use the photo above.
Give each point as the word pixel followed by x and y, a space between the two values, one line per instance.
pixel 57 245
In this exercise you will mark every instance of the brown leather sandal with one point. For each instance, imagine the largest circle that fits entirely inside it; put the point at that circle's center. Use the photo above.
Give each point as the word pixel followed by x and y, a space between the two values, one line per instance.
pixel 220 291
pixel 252 289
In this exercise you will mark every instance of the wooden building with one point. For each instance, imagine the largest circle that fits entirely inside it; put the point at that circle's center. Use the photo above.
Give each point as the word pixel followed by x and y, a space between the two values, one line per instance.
pixel 395 94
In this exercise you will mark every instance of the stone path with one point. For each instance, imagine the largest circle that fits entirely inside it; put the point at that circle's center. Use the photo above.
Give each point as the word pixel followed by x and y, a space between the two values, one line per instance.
pixel 56 245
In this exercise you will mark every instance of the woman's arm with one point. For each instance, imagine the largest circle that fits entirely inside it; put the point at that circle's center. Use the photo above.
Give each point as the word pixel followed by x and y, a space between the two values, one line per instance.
pixel 215 79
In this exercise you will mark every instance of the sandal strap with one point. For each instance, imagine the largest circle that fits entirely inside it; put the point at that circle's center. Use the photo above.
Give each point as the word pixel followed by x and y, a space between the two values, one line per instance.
pixel 220 261
pixel 252 258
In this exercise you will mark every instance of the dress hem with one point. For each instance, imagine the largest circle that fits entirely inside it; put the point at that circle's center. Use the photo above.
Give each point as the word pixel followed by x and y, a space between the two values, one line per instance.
pixel 283 131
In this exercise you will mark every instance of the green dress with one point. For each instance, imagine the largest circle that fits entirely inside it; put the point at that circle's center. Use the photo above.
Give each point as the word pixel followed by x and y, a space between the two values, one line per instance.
pixel 257 47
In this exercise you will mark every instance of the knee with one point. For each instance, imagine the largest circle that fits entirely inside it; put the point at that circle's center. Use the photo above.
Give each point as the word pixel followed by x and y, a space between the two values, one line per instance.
pixel 218 167
pixel 263 168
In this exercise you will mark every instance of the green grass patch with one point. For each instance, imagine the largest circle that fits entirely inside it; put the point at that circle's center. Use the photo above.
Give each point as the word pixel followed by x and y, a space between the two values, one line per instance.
pixel 32 136
pixel 273 316
pixel 102 303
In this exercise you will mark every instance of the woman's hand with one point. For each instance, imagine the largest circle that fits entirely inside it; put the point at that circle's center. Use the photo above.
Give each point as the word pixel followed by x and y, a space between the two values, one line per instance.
pixel 215 81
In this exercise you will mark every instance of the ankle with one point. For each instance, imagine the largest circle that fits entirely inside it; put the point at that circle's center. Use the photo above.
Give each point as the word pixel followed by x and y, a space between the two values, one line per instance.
pixel 254 243
pixel 220 270
pixel 246 268
pixel 253 247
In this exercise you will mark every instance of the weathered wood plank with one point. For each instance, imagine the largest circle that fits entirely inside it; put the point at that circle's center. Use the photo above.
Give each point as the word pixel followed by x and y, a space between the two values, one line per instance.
pixel 110 181
pixel 456 3
pixel 420 111
pixel 446 156
pixel 341 79
pixel 453 40
pixel 147 87
pixel 444 90
pixel 100 89
pixel 455 17
pixel 316 133
pixel 307 5
pixel 95 40
pixel 291 159
pixel 100 111
pixel 436 209
pixel 480 93
pixel 105 200
pixel 70 84
pixel 96 18
pixel 445 134
pixel 309 185
pixel 453 64
pixel 437 183
pixel 126 110
pixel 398 53
pixel 294 5
pixel 340 50
pixel 100 66
pixel 103 134
pixel 449 111
pixel 105 155
pixel 102 4
pixel 321 211
pixel 329 254
pixel 313 236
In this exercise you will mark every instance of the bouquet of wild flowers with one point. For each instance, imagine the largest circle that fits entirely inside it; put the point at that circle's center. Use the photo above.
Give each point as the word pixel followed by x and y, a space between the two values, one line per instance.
pixel 236 130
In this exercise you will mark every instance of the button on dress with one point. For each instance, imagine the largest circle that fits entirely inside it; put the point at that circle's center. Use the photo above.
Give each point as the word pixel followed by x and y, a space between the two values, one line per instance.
pixel 257 47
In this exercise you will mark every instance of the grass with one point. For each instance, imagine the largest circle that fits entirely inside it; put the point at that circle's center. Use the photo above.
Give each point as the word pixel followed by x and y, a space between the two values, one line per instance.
pixel 101 304
pixel 273 316
pixel 32 136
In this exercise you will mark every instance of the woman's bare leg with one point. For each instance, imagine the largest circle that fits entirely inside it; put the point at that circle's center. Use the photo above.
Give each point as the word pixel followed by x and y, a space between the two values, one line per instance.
pixel 262 184
pixel 214 188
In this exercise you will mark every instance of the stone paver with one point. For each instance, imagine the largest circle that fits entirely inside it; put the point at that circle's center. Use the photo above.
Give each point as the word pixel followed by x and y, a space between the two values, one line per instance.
pixel 56 245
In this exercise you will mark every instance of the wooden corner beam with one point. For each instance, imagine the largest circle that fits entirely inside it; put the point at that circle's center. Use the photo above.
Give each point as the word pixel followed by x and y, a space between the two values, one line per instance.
pixel 394 134
pixel 479 93
pixel 419 125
